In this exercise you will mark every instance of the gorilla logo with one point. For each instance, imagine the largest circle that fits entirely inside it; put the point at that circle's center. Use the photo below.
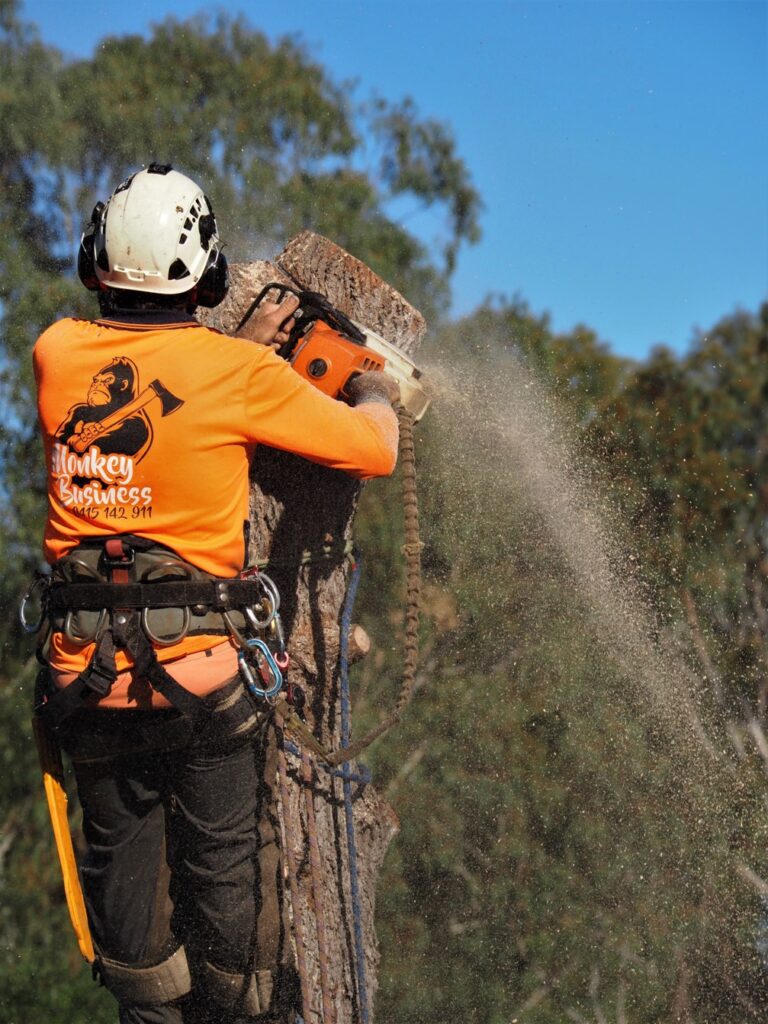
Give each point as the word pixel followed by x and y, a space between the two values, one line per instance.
pixel 115 386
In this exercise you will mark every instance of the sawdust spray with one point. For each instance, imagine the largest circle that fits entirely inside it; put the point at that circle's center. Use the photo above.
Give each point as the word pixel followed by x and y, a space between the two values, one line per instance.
pixel 502 441
pixel 502 429
pixel 506 432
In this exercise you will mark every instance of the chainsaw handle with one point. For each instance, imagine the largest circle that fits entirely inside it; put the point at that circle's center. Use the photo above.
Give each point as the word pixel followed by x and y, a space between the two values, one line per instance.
pixel 281 289
pixel 312 306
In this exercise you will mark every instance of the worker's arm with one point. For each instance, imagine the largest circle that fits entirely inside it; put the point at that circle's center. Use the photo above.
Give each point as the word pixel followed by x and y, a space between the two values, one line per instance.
pixel 285 411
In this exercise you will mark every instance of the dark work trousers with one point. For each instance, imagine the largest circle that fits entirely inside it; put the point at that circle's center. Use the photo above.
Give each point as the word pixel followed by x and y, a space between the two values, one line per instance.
pixel 182 848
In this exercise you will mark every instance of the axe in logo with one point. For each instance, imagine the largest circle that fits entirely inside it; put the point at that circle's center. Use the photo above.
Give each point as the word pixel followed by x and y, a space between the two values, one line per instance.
pixel 92 431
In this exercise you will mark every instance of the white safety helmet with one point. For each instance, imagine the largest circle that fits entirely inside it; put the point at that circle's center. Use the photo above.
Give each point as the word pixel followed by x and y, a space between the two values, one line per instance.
pixel 157 233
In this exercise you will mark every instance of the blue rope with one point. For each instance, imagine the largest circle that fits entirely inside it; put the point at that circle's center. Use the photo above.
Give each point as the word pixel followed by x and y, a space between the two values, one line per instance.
pixel 347 779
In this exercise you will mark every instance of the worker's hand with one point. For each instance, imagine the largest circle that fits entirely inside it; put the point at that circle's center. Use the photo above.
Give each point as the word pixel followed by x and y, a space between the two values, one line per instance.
pixel 264 327
pixel 373 386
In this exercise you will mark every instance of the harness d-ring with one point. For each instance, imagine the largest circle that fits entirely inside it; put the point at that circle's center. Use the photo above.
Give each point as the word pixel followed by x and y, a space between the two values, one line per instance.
pixel 162 570
pixel 81 641
pixel 166 641
pixel 184 572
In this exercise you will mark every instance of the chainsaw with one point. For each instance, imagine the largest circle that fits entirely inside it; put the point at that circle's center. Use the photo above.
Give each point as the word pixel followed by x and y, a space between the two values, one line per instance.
pixel 329 349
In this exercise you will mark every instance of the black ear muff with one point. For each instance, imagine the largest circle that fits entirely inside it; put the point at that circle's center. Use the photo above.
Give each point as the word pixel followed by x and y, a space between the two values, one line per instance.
pixel 214 284
pixel 86 257
pixel 86 264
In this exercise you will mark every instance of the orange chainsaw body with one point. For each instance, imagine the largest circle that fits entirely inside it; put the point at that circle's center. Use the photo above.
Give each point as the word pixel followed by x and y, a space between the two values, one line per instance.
pixel 329 360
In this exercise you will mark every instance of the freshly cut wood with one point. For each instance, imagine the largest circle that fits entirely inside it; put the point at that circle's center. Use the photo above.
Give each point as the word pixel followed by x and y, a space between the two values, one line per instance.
pixel 322 266
pixel 301 522
pixel 359 644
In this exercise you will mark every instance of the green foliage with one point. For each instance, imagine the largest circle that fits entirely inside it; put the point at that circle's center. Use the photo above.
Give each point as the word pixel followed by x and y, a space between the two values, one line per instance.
pixel 564 851
pixel 684 443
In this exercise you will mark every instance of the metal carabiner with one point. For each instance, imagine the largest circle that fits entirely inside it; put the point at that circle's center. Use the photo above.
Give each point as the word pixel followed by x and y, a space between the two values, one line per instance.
pixel 271 588
pixel 282 658
pixel 37 584
pixel 257 623
pixel 262 656
pixel 234 632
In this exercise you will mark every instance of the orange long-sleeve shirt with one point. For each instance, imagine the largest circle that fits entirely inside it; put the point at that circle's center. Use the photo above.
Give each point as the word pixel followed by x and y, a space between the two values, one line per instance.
pixel 149 424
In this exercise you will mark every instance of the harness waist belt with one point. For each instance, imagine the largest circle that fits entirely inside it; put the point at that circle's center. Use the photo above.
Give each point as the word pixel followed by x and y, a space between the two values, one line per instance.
pixel 212 595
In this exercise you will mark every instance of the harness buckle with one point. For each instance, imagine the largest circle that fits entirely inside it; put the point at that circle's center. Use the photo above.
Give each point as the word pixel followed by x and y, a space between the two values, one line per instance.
pixel 117 554
pixel 101 671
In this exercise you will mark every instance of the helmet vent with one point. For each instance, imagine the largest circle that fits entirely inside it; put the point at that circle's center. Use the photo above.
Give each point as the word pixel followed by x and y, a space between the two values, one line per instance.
pixel 177 270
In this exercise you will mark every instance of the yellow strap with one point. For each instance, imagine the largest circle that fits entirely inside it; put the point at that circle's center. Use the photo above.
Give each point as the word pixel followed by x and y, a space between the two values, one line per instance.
pixel 53 778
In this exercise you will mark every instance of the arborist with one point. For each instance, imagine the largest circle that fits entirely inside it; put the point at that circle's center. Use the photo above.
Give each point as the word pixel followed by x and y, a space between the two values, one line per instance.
pixel 149 422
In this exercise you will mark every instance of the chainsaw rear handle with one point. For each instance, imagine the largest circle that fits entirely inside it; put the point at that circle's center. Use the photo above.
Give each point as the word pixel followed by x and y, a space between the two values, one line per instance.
pixel 312 306
pixel 281 289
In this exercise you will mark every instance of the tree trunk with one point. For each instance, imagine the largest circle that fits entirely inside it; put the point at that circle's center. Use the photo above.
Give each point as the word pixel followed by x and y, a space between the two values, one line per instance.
pixel 301 521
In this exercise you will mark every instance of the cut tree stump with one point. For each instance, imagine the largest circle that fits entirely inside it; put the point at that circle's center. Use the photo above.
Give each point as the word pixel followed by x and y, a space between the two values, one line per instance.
pixel 298 507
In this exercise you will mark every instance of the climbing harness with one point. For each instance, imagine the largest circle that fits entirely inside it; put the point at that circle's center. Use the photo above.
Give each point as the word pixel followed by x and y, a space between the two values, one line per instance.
pixel 127 593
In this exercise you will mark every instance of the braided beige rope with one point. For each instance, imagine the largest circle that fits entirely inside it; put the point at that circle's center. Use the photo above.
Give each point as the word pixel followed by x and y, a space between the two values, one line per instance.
pixel 412 551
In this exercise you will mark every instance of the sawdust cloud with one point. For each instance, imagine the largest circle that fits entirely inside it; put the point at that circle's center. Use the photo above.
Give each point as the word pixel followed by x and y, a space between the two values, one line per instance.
pixel 501 428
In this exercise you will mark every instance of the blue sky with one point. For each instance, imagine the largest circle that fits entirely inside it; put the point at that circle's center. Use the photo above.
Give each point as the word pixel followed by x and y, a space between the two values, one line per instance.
pixel 620 147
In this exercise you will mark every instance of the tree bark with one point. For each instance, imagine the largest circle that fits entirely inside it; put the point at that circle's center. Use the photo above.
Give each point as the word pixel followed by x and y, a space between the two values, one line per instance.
pixel 301 524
